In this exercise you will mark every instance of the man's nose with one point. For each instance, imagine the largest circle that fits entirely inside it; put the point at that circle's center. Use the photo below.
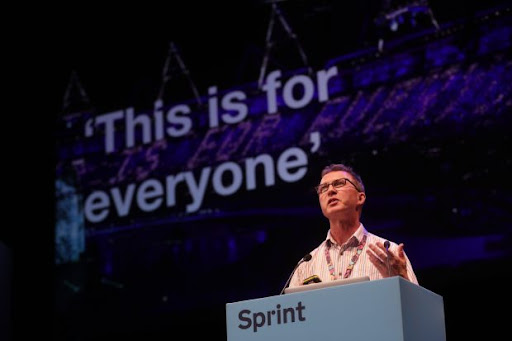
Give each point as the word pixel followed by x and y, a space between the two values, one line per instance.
pixel 331 188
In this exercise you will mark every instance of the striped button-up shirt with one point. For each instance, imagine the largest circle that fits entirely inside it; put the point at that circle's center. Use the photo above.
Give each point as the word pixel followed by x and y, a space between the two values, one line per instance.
pixel 341 256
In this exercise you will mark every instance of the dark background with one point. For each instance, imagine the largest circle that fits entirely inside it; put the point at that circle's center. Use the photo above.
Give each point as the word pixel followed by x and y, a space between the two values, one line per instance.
pixel 119 54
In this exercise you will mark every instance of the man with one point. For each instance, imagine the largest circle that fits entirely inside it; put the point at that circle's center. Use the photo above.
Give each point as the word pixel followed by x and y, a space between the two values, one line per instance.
pixel 349 250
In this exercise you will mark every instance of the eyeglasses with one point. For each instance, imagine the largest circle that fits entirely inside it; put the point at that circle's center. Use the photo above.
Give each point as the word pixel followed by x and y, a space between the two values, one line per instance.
pixel 337 184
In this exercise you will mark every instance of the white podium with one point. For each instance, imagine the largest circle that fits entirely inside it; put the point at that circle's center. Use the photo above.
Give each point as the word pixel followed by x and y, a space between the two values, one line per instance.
pixel 390 309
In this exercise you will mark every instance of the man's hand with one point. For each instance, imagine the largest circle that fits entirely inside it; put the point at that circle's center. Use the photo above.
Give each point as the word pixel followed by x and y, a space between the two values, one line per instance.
pixel 397 262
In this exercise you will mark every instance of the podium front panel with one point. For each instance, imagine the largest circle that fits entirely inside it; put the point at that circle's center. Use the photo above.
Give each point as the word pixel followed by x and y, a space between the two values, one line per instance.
pixel 360 311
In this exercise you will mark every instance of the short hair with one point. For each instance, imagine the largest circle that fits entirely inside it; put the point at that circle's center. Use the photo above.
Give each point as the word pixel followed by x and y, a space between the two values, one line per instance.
pixel 341 167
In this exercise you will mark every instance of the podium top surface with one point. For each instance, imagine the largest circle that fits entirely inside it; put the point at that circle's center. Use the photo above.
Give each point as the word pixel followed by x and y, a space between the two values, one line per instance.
pixel 321 285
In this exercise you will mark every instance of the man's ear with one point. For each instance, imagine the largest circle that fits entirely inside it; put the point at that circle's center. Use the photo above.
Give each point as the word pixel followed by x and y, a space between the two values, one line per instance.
pixel 361 198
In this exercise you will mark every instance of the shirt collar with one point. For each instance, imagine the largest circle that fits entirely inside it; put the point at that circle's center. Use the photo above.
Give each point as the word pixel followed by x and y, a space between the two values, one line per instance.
pixel 352 241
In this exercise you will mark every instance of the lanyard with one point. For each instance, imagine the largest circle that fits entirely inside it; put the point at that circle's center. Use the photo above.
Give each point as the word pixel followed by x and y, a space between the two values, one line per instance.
pixel 350 266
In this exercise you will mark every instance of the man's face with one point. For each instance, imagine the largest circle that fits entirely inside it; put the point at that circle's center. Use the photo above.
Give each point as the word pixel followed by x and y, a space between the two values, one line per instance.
pixel 340 202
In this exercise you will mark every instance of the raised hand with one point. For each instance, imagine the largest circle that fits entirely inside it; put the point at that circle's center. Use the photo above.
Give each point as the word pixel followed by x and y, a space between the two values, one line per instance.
pixel 397 261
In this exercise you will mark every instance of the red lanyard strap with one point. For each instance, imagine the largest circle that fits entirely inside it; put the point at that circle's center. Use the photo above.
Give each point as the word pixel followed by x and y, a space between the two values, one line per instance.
pixel 350 266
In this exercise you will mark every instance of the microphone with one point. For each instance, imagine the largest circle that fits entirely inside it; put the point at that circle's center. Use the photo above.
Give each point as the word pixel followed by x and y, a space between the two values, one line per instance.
pixel 306 258
pixel 386 245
